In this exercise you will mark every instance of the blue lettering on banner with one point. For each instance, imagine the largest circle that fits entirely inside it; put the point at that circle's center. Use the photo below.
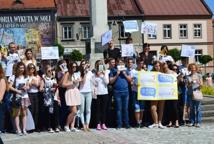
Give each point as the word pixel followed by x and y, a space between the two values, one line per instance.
pixel 165 78
pixel 148 91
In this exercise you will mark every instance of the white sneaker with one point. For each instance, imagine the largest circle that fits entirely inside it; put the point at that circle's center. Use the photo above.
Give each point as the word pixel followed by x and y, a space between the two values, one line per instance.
pixel 50 130
pixel 66 128
pixel 24 132
pixel 161 126
pixel 153 126
pixel 74 130
pixel 57 130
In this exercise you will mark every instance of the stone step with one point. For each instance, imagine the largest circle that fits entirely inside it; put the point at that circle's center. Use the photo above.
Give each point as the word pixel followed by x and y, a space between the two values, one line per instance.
pixel 208 119
pixel 208 100
pixel 207 107
pixel 208 113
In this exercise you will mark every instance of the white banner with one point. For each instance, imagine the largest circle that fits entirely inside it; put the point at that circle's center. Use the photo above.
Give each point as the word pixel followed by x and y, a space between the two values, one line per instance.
pixel 48 53
pixel 131 26
pixel 149 28
pixel 127 50
pixel 187 51
pixel 106 37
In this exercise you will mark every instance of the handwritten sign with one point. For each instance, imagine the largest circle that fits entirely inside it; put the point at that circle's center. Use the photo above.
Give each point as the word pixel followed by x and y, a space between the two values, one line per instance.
pixel 48 53
pixel 149 28
pixel 187 51
pixel 127 50
pixel 106 37
pixel 131 26
pixel 157 86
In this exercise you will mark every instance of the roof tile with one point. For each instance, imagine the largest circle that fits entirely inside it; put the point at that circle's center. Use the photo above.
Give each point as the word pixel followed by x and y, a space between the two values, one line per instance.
pixel 27 4
pixel 173 7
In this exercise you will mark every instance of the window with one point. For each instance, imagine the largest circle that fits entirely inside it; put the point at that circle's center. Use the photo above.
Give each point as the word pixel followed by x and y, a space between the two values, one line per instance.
pixel 198 53
pixel 85 31
pixel 67 32
pixel 167 31
pixel 183 30
pixel 123 34
pixel 197 30
pixel 152 36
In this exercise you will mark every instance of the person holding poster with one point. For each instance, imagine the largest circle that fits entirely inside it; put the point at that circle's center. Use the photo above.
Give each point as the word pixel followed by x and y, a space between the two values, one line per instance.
pixel 138 104
pixel 172 105
pixel 157 105
pixel 101 82
pixel 111 52
pixel 120 78
pixel 195 82
pixel 164 57
pixel 86 89
pixel 146 56
pixel 19 84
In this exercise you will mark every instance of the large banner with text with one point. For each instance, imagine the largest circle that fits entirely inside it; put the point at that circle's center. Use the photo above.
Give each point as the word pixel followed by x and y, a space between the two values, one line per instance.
pixel 27 30
pixel 157 86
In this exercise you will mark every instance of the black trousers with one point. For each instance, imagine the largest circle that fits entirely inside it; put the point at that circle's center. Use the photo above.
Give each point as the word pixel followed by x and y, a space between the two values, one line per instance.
pixel 101 108
pixel 173 110
pixel 52 119
pixel 34 107
pixel 64 110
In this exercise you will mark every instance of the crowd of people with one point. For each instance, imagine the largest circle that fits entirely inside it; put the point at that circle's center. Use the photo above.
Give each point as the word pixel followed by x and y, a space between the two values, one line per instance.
pixel 60 96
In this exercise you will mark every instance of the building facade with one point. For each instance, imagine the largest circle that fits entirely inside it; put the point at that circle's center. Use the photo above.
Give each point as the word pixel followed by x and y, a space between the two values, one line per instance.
pixel 178 22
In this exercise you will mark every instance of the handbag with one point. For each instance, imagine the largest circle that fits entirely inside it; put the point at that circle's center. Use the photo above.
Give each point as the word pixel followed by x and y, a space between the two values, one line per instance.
pixel 16 101
pixel 197 95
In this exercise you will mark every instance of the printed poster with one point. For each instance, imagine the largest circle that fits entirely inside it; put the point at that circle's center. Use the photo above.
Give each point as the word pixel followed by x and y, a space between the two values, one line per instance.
pixel 157 86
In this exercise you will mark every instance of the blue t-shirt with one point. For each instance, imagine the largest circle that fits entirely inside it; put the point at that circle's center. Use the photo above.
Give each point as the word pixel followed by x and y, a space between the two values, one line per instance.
pixel 121 83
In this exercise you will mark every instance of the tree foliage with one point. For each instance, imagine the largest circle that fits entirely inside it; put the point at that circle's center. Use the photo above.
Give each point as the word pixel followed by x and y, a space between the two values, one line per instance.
pixel 175 54
pixel 76 55
pixel 61 48
pixel 204 59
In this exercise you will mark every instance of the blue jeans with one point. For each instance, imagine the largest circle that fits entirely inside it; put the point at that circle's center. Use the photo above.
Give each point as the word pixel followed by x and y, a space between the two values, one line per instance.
pixel 121 103
pixel 195 112
pixel 85 107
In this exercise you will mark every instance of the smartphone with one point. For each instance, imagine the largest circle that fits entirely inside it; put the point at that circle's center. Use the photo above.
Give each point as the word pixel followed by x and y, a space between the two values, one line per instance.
pixel 101 68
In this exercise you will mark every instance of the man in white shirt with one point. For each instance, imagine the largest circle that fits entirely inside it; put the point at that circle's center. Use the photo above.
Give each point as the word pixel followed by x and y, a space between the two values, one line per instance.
pixel 12 58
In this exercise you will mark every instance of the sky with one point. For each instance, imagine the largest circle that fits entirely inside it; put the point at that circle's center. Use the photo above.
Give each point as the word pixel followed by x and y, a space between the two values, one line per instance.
pixel 210 3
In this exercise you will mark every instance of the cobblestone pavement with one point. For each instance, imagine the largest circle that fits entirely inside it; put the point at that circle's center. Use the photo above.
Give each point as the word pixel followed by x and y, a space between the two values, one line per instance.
pixel 182 135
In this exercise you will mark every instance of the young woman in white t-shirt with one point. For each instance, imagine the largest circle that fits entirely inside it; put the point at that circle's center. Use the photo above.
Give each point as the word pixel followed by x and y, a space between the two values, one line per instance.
pixel 86 87
pixel 19 84
pixel 101 85
pixel 34 83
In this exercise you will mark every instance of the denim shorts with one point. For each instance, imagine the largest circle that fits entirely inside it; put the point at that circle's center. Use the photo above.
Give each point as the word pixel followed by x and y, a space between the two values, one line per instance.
pixel 138 104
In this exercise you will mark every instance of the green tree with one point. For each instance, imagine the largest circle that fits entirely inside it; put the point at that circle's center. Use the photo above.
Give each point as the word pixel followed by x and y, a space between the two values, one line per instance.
pixel 76 55
pixel 204 59
pixel 61 48
pixel 175 54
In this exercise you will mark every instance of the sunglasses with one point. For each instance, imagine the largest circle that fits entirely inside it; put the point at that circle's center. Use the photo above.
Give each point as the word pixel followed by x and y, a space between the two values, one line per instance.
pixel 32 67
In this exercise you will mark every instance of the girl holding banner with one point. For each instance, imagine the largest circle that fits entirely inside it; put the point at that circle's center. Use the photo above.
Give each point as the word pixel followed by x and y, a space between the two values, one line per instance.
pixel 157 116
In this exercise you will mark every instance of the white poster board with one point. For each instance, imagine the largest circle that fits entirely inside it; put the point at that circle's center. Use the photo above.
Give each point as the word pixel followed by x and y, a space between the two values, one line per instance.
pixel 187 51
pixel 149 28
pixel 48 53
pixel 131 26
pixel 106 37
pixel 127 50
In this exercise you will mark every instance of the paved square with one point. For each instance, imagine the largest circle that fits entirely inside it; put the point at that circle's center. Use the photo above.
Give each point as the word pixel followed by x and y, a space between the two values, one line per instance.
pixel 182 135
